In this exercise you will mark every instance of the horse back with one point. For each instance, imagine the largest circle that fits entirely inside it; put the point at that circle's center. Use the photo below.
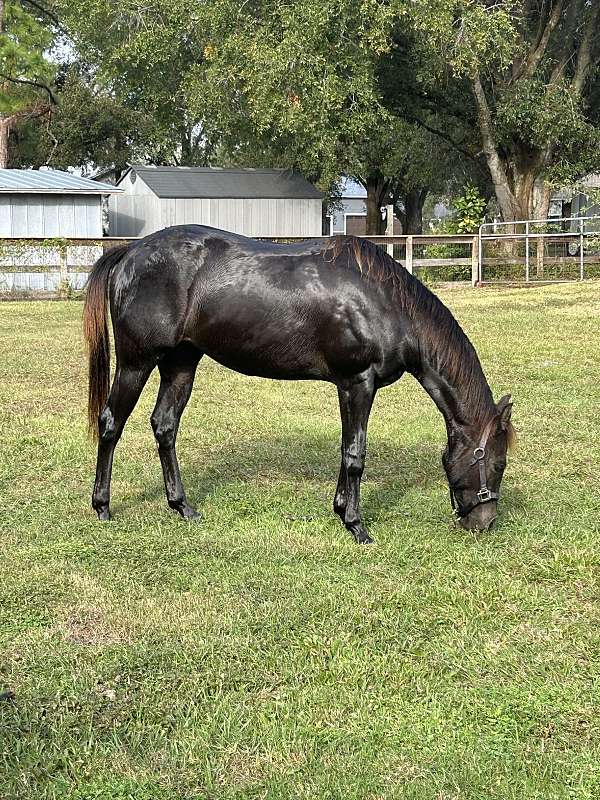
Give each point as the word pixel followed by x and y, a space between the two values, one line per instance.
pixel 259 308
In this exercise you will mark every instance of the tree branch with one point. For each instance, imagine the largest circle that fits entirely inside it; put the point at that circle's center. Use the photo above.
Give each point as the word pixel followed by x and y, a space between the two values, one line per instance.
pixel 443 135
pixel 585 54
pixel 538 50
pixel 46 11
pixel 507 200
pixel 567 48
pixel 37 84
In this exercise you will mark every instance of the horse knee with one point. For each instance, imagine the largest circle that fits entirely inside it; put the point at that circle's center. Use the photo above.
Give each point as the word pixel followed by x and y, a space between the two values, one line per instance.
pixel 354 463
pixel 165 431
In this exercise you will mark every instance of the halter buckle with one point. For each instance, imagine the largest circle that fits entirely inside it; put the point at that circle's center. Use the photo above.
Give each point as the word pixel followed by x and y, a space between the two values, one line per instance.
pixel 479 453
pixel 484 494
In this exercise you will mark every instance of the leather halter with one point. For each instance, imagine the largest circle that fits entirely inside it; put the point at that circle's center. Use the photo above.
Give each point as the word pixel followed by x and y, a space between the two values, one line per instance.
pixel 484 495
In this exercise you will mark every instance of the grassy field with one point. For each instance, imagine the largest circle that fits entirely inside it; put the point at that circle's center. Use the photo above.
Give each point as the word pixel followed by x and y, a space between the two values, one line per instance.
pixel 261 653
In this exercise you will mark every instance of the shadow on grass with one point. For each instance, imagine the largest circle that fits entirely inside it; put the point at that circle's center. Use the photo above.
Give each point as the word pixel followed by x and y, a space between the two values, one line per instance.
pixel 391 472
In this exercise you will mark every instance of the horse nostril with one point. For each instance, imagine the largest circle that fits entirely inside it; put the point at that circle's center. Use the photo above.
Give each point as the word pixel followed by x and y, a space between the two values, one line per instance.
pixel 491 523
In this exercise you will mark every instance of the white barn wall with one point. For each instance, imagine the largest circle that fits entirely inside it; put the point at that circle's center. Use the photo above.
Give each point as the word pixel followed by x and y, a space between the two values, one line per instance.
pixel 47 216
pixel 136 187
pixel 140 215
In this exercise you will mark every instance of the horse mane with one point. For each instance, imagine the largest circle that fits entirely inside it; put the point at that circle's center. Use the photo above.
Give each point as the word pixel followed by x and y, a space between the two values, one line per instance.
pixel 440 336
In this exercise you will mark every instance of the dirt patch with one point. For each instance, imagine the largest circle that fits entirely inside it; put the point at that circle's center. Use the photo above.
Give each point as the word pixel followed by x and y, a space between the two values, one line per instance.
pixel 90 628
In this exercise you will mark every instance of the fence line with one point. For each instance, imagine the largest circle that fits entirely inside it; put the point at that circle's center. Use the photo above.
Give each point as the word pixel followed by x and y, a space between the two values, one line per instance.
pixel 59 266
pixel 561 239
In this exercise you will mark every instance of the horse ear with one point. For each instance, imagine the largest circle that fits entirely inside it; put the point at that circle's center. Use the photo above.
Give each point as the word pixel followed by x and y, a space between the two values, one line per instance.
pixel 504 406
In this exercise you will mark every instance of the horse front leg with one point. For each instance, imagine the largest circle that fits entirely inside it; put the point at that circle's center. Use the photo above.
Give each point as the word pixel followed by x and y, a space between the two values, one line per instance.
pixel 340 499
pixel 356 399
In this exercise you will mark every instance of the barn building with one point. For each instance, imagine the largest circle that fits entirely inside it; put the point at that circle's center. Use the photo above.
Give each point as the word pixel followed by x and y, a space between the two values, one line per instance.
pixel 45 204
pixel 253 202
pixel 349 215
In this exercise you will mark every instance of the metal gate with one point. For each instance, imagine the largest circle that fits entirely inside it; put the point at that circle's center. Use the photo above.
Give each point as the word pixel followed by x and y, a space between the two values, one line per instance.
pixel 567 248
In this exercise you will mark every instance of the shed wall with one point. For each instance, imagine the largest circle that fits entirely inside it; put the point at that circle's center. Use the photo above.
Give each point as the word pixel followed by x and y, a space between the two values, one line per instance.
pixel 141 215
pixel 49 216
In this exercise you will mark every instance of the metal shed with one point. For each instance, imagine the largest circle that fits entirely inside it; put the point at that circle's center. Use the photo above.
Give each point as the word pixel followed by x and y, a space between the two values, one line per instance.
pixel 253 202
pixel 349 215
pixel 45 204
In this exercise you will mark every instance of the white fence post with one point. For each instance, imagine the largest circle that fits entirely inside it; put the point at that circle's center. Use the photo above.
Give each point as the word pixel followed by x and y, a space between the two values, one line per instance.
pixel 527 252
pixel 64 273
pixel 475 258
pixel 389 228
pixel 581 254
pixel 409 254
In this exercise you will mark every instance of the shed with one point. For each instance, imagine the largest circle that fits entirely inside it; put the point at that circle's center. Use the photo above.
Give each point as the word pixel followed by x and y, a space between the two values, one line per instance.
pixel 45 204
pixel 253 202
pixel 582 203
pixel 349 215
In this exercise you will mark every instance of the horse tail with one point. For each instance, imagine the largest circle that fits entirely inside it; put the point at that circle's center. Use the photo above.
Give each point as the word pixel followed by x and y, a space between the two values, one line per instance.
pixel 95 331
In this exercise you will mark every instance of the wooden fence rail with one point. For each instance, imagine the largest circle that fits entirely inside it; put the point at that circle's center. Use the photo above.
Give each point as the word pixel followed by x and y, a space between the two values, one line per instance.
pixel 60 260
pixel 57 266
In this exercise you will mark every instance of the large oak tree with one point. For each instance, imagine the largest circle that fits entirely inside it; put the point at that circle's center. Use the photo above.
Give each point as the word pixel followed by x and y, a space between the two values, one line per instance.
pixel 531 68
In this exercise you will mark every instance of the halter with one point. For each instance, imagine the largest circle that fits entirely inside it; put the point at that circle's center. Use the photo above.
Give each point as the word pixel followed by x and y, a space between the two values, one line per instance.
pixel 484 495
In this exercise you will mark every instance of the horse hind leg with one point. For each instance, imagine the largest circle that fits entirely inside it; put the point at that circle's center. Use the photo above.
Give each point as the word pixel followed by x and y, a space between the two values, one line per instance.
pixel 177 371
pixel 124 394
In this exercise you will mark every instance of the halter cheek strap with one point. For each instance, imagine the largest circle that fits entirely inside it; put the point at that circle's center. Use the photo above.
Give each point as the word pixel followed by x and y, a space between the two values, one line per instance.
pixel 484 495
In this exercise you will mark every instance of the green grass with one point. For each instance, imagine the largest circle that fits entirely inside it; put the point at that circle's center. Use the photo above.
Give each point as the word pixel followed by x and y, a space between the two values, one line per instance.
pixel 262 654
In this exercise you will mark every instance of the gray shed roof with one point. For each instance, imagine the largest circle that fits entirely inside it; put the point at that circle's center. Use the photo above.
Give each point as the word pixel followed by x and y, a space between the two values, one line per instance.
pixel 218 182
pixel 51 181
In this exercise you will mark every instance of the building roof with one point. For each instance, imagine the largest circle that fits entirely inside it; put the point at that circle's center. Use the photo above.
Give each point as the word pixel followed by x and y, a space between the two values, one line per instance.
pixel 218 182
pixel 51 181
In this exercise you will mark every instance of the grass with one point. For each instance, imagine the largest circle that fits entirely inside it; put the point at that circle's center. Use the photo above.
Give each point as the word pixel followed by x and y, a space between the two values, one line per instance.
pixel 261 654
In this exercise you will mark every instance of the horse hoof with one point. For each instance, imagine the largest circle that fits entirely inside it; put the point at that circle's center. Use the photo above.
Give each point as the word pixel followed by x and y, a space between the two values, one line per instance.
pixel 104 515
pixel 187 512
pixel 363 538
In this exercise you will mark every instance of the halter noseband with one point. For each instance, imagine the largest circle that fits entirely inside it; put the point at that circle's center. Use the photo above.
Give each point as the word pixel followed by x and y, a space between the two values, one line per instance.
pixel 484 495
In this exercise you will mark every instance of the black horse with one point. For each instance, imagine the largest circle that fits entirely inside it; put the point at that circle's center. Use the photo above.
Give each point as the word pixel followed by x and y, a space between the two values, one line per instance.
pixel 338 310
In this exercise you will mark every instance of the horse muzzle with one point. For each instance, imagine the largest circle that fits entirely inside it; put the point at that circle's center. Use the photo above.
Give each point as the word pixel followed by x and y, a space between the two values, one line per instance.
pixel 481 518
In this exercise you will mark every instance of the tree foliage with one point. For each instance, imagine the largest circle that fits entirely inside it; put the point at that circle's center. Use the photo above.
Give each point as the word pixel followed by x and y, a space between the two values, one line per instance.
pixel 25 73
pixel 532 69
pixel 89 129
pixel 407 96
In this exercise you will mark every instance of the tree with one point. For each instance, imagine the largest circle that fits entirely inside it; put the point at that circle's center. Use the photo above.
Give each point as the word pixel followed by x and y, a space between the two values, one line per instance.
pixel 25 74
pixel 142 60
pixel 89 129
pixel 531 67
pixel 298 84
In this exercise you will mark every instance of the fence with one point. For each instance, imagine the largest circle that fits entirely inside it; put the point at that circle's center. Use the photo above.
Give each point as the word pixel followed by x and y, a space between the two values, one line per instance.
pixel 561 249
pixel 44 268
pixel 59 267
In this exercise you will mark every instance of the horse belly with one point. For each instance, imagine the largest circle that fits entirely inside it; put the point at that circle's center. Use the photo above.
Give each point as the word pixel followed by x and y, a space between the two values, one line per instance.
pixel 269 343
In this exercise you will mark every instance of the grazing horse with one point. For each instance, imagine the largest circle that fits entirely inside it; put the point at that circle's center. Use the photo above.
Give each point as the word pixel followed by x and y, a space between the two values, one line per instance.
pixel 338 310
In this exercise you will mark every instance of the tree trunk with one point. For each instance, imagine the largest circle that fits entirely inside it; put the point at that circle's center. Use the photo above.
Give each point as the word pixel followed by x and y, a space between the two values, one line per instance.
pixel 377 191
pixel 541 205
pixel 414 201
pixel 5 127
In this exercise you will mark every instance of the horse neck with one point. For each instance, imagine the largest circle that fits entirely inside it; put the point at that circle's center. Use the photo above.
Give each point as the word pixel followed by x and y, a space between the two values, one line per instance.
pixel 449 370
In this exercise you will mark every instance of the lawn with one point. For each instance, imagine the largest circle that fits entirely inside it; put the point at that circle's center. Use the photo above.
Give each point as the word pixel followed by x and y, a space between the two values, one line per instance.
pixel 261 653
